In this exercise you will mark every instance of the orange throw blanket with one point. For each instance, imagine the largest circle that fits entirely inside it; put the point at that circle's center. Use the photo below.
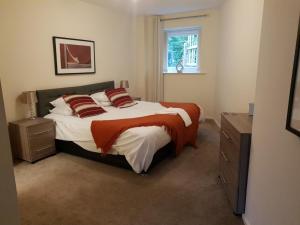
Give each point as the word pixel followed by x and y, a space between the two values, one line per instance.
pixel 106 132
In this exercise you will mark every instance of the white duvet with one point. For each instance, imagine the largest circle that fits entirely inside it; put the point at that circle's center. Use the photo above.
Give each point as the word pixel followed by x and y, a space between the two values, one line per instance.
pixel 138 145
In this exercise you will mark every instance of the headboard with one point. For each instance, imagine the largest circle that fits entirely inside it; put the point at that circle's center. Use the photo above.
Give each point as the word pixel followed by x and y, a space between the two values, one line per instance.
pixel 46 96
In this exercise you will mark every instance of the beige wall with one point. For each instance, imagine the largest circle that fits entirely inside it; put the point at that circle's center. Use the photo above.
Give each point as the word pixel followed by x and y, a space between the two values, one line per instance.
pixel 140 54
pixel 229 58
pixel 274 179
pixel 8 204
pixel 197 88
pixel 239 39
pixel 189 88
pixel 26 56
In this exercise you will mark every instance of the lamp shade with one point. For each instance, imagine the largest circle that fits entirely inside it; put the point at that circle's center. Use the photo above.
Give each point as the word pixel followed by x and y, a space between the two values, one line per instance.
pixel 124 84
pixel 29 97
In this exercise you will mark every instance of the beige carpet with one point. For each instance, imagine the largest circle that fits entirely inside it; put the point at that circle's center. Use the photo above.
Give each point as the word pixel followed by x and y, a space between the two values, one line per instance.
pixel 68 190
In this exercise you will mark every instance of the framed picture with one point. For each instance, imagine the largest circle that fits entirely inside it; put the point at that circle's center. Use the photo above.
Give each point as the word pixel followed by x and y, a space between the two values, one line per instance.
pixel 73 56
pixel 293 118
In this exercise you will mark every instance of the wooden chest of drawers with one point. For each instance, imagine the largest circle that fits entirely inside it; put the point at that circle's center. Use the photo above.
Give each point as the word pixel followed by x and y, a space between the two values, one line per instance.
pixel 235 141
pixel 32 140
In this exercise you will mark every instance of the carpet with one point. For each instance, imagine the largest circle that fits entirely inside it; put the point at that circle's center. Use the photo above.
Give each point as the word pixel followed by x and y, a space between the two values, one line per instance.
pixel 69 190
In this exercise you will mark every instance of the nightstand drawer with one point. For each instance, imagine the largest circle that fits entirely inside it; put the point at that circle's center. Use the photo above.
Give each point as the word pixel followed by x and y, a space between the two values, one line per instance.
pixel 42 152
pixel 40 129
pixel 40 141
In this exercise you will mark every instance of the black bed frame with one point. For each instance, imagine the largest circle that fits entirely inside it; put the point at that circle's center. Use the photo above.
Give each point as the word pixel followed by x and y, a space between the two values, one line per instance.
pixel 43 107
pixel 114 160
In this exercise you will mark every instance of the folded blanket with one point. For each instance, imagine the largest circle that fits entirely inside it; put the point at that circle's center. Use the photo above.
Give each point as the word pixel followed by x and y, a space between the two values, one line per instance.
pixel 106 132
pixel 181 112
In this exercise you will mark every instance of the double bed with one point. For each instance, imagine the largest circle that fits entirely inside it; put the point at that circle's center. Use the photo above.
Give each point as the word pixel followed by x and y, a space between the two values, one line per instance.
pixel 137 148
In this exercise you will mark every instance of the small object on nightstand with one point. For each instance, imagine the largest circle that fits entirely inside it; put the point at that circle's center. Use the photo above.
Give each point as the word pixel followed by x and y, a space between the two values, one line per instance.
pixel 124 84
pixel 29 98
pixel 137 98
pixel 251 109
pixel 32 140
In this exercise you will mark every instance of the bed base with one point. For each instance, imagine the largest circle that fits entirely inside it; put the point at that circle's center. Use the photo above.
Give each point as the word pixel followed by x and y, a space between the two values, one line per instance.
pixel 114 160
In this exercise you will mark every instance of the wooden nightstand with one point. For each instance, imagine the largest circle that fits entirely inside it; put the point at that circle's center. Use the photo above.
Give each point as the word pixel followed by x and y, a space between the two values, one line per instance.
pixel 32 140
pixel 137 98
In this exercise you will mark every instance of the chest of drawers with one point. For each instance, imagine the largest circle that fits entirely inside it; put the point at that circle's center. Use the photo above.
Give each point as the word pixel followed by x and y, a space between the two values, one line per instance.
pixel 235 142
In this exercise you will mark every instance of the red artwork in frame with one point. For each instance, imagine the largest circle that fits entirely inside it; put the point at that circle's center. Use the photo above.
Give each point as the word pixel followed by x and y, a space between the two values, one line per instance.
pixel 73 56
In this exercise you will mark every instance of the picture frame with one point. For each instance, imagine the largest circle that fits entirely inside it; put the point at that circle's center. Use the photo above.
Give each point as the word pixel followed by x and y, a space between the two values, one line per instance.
pixel 293 117
pixel 73 56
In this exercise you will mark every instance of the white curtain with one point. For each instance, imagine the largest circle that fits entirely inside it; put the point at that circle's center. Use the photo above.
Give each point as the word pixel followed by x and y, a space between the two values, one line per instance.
pixel 154 64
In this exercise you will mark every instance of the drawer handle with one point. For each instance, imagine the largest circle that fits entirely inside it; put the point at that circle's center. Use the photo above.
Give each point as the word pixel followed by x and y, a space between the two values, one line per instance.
pixel 224 156
pixel 223 180
pixel 41 149
pixel 226 135
pixel 42 132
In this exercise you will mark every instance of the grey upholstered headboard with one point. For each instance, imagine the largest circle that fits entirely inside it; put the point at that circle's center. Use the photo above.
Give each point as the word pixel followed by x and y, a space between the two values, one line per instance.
pixel 46 96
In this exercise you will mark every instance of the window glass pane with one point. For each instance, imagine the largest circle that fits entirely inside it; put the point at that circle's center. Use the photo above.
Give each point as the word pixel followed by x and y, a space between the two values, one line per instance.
pixel 183 48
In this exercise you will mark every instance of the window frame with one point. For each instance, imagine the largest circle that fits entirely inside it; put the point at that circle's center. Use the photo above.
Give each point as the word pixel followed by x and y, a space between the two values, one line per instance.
pixel 177 32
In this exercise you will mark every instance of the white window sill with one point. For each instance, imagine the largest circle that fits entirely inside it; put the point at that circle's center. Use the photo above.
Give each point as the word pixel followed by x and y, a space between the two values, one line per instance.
pixel 184 73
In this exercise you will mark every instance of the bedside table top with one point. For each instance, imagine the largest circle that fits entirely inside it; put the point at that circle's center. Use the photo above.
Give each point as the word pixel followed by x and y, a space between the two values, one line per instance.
pixel 31 122
pixel 136 98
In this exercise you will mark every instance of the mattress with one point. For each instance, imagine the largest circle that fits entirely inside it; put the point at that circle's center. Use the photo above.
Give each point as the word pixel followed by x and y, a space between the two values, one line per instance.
pixel 138 145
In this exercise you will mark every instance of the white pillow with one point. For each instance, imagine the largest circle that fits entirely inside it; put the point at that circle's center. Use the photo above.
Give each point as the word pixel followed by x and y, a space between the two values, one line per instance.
pixel 59 102
pixel 62 110
pixel 100 97
pixel 104 103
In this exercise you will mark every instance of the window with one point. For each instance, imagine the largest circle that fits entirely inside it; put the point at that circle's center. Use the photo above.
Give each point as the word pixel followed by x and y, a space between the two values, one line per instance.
pixel 183 48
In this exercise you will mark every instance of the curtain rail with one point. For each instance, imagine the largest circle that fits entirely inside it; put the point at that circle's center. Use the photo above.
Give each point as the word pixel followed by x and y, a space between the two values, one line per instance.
pixel 184 17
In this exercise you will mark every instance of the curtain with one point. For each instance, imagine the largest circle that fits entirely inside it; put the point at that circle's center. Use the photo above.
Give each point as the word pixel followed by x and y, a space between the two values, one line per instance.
pixel 154 64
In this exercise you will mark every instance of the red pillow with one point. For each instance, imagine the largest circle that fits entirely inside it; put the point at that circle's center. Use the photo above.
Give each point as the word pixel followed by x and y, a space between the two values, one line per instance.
pixel 119 97
pixel 83 105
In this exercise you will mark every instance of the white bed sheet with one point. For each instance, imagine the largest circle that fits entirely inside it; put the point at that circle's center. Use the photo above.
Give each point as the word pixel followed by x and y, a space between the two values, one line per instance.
pixel 138 145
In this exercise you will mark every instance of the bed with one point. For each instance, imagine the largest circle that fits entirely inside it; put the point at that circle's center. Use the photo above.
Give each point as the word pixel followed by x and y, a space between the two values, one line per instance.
pixel 80 144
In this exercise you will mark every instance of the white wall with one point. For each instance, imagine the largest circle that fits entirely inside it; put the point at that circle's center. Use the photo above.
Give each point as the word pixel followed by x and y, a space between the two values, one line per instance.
pixel 274 176
pixel 199 88
pixel 26 56
pixel 239 39
pixel 9 213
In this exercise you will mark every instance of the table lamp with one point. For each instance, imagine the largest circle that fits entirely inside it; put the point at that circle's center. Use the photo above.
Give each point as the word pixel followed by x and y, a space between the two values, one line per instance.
pixel 29 98
pixel 124 84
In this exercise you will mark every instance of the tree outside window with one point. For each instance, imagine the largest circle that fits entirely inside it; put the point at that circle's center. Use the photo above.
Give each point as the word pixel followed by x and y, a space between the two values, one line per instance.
pixel 183 47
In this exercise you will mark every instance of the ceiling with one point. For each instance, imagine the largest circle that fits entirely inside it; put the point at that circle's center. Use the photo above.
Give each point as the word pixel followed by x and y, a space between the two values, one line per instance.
pixel 158 7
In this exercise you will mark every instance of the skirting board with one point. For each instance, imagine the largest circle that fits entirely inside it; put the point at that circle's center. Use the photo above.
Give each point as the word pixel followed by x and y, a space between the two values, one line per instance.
pixel 245 220
pixel 211 119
